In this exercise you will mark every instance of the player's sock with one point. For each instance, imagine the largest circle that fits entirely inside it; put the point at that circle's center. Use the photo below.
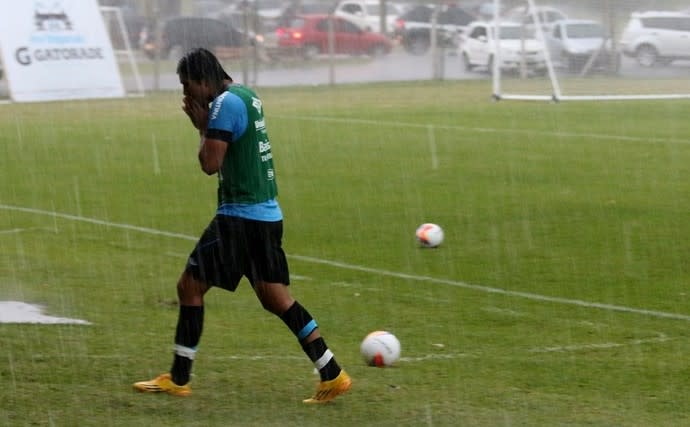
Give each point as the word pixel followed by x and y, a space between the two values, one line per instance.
pixel 189 326
pixel 323 359
pixel 300 322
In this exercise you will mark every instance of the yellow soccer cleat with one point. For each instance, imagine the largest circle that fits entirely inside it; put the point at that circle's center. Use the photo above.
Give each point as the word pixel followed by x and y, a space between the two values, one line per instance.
pixel 329 390
pixel 163 384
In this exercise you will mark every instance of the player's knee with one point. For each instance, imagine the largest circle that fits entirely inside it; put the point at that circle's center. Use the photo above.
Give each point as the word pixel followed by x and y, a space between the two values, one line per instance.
pixel 274 297
pixel 181 289
pixel 270 306
pixel 189 291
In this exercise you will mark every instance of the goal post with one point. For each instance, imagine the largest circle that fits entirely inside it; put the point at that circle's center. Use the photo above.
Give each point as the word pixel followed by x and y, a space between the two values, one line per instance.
pixel 115 25
pixel 590 51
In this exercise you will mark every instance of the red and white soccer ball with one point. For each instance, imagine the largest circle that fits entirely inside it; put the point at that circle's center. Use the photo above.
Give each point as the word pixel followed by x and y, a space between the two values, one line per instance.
pixel 429 235
pixel 380 348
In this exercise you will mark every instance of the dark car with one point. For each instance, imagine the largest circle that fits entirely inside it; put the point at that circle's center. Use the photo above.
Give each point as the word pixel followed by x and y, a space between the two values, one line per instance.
pixel 308 35
pixel 181 34
pixel 413 28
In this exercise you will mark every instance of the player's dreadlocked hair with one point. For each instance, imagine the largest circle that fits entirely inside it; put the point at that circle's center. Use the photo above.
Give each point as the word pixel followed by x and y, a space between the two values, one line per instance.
pixel 200 64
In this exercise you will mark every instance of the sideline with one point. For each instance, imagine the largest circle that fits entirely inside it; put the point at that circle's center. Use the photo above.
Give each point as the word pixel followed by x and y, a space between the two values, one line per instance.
pixel 511 131
pixel 376 271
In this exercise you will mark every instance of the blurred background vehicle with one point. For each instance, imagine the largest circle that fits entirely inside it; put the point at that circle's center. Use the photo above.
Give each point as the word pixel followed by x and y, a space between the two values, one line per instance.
pixel 654 38
pixel 413 28
pixel 181 33
pixel 518 47
pixel 547 16
pixel 294 9
pixel 367 14
pixel 309 7
pixel 307 36
pixel 579 45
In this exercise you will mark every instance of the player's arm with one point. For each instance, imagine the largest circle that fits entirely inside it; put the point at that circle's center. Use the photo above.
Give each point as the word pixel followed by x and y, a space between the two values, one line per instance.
pixel 228 121
pixel 211 147
pixel 211 154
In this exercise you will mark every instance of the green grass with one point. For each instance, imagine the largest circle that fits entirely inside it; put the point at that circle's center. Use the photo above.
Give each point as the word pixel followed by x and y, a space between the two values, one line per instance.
pixel 560 296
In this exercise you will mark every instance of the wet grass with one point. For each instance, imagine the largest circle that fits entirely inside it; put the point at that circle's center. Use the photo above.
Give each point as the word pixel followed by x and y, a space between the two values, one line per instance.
pixel 560 296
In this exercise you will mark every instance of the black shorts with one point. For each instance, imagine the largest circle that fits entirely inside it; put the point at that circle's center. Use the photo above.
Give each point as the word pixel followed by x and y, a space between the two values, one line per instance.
pixel 233 247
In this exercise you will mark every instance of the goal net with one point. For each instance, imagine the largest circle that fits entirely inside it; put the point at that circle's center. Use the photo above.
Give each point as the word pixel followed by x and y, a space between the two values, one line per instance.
pixel 588 50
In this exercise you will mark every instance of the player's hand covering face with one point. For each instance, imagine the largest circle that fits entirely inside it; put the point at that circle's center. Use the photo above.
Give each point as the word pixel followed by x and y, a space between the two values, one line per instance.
pixel 196 111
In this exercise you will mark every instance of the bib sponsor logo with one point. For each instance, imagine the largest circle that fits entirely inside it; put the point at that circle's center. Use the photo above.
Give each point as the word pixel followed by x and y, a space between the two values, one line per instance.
pixel 256 103
pixel 265 151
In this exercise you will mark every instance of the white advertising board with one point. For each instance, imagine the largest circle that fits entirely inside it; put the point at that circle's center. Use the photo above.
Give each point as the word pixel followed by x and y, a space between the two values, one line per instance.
pixel 57 49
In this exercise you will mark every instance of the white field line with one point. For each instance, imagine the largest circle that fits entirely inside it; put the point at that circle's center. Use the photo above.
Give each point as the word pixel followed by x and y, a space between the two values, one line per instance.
pixel 432 147
pixel 440 355
pixel 375 271
pixel 13 230
pixel 21 230
pixel 487 289
pixel 600 346
pixel 513 131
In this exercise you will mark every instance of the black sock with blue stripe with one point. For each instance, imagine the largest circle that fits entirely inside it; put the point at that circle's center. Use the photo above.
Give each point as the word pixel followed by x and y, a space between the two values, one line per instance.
pixel 300 322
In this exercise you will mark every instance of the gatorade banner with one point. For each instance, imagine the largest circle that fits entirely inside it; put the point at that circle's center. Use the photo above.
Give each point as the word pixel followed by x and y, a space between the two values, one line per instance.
pixel 56 50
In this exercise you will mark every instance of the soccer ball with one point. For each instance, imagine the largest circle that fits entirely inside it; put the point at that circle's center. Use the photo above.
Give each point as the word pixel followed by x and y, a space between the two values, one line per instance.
pixel 380 348
pixel 429 235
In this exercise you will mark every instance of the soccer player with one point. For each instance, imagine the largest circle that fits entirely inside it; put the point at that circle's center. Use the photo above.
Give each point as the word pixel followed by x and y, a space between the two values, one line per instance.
pixel 244 237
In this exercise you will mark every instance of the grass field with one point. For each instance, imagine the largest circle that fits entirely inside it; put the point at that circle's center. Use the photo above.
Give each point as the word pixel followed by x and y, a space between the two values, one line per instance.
pixel 560 296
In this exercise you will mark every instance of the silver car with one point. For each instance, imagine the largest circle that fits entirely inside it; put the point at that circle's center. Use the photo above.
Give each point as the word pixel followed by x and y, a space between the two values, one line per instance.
pixel 580 45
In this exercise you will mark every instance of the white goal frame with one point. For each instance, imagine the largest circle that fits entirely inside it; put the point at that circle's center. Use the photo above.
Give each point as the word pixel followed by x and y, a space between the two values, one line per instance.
pixel 556 94
pixel 127 52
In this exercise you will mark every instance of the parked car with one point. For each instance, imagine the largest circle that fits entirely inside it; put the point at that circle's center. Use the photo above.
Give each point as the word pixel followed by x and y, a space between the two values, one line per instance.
pixel 547 16
pixel 307 35
pixel 575 43
pixel 182 33
pixel 298 7
pixel 413 28
pixel 657 37
pixel 294 9
pixel 367 14
pixel 517 45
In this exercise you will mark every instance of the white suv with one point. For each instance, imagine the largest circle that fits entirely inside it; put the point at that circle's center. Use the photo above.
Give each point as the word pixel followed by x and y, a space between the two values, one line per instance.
pixel 657 37
pixel 517 45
